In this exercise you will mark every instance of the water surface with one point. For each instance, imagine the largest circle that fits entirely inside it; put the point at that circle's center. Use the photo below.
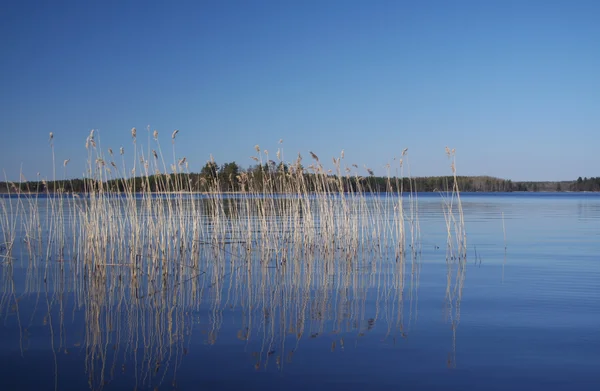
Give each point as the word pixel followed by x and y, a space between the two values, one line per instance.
pixel 523 314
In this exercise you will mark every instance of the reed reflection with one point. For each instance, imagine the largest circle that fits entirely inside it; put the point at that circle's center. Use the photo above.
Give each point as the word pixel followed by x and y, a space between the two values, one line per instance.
pixel 142 324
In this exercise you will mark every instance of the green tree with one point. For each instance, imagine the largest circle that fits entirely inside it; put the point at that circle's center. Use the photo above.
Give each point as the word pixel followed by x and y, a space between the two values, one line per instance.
pixel 228 174
pixel 210 170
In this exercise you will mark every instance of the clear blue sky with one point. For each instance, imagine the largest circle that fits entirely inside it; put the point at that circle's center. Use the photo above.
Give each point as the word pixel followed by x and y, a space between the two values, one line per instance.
pixel 514 86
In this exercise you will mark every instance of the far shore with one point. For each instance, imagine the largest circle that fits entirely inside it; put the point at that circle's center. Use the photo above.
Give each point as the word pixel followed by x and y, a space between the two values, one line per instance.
pixel 23 193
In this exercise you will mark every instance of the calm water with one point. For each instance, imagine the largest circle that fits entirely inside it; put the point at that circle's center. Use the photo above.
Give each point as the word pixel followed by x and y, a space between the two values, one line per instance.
pixel 527 317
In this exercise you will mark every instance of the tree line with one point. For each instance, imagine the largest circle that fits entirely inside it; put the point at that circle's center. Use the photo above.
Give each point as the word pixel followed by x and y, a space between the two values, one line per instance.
pixel 230 177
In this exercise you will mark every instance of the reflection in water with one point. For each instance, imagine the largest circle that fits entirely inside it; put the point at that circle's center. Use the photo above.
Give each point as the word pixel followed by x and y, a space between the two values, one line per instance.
pixel 138 294
pixel 146 332
pixel 456 273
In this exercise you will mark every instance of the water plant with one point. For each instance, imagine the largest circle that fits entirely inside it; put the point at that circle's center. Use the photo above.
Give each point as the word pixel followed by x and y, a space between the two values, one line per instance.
pixel 298 248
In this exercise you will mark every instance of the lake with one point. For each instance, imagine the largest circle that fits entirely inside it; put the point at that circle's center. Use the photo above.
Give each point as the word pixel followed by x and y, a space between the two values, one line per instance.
pixel 520 312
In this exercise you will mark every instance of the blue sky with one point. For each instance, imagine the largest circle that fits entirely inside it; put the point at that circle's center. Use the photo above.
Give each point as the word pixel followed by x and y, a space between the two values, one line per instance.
pixel 514 86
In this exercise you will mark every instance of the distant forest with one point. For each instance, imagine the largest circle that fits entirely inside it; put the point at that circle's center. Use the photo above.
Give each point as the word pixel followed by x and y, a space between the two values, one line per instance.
pixel 229 175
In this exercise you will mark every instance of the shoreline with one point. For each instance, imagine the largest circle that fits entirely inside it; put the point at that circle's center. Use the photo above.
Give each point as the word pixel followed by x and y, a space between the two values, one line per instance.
pixel 124 194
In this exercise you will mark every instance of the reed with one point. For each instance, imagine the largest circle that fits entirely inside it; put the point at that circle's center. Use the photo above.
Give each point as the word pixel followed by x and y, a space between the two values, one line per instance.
pixel 282 209
pixel 456 253
pixel 297 248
